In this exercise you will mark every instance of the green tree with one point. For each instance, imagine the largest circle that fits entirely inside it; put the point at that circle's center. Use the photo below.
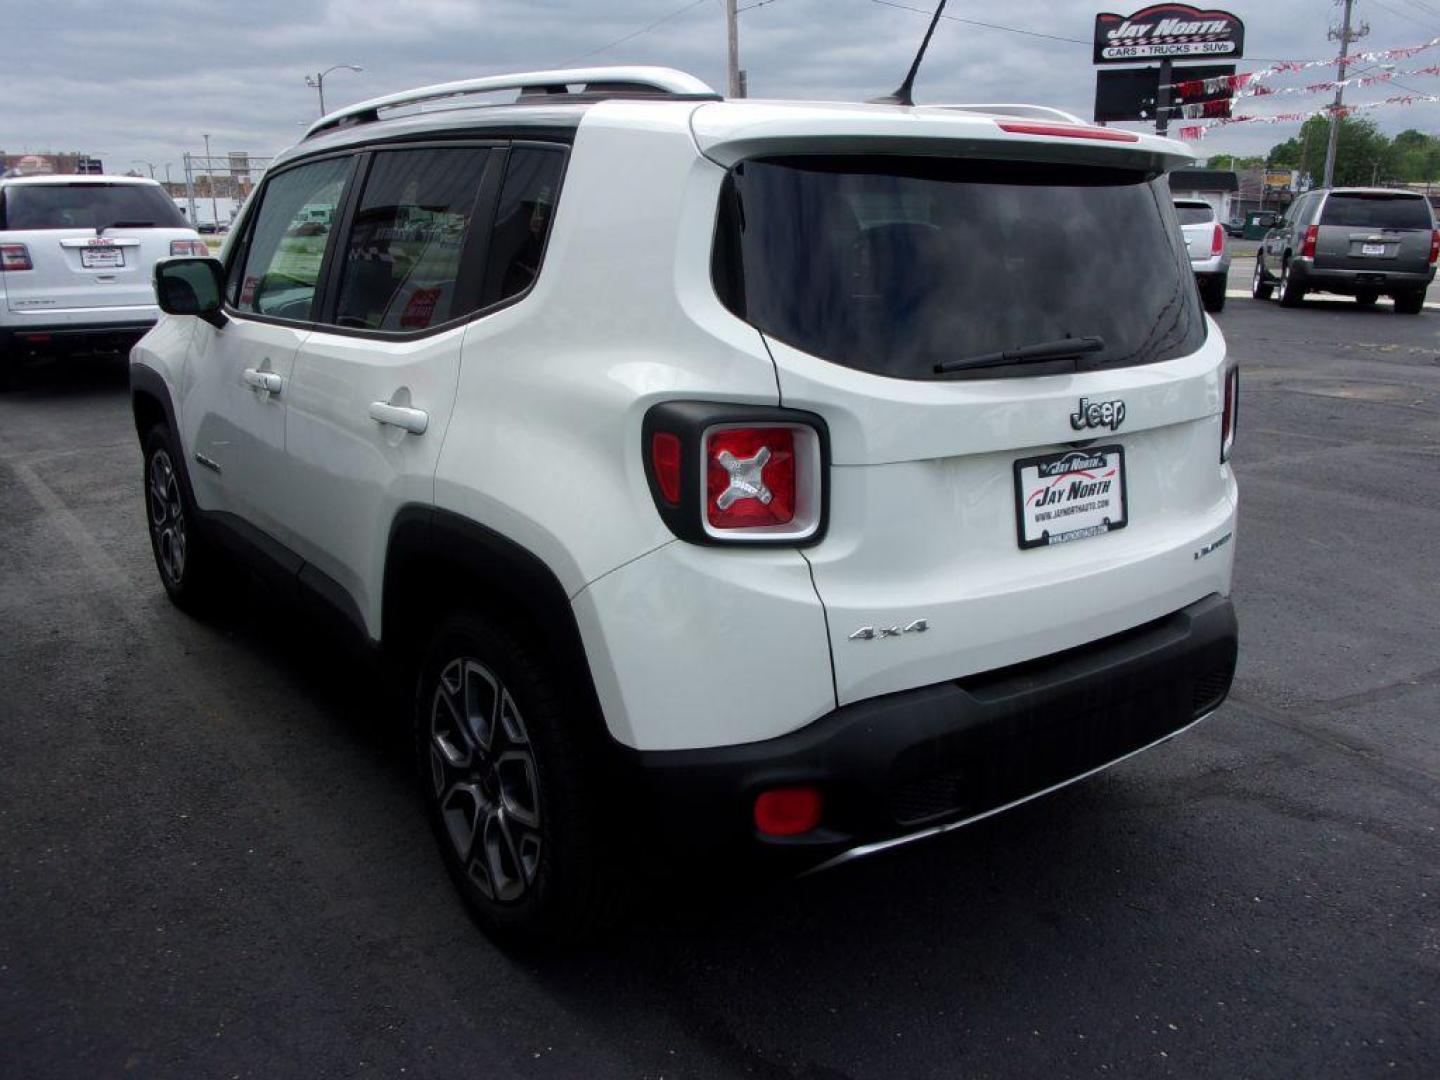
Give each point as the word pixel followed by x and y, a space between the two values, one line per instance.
pixel 1417 157
pixel 1363 152
pixel 1233 163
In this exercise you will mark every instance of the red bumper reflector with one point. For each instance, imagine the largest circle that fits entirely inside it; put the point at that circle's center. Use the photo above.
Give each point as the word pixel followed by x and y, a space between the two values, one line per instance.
pixel 37 339
pixel 788 811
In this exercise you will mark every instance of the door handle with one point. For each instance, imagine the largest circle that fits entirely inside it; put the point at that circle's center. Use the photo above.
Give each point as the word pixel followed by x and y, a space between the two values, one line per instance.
pixel 414 421
pixel 263 380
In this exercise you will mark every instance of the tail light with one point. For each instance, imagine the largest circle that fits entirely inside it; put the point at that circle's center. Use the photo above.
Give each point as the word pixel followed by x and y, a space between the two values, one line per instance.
pixel 1067 131
pixel 1434 246
pixel 788 811
pixel 1217 243
pixel 189 247
pixel 15 257
pixel 737 474
pixel 1229 413
pixel 1307 246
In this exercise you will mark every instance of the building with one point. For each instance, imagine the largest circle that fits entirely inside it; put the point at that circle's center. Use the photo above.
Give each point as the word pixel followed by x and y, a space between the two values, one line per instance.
pixel 1219 188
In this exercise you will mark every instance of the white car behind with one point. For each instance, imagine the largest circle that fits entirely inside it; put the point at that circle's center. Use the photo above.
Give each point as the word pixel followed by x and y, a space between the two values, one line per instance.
pixel 77 259
pixel 1205 244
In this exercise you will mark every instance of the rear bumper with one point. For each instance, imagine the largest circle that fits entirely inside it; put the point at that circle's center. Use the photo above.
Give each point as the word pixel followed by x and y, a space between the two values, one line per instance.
pixel 906 765
pixel 1215 266
pixel 116 332
pixel 1348 280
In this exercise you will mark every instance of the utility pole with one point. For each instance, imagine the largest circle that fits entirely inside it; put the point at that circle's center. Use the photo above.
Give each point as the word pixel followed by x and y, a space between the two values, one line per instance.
pixel 735 87
pixel 210 176
pixel 1345 36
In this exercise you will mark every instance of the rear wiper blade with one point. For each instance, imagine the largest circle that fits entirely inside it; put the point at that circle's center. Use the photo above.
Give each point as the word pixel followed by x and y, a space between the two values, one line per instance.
pixel 101 229
pixel 1060 349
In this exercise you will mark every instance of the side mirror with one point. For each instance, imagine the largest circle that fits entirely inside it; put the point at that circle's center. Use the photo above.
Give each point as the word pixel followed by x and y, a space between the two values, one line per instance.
pixel 190 285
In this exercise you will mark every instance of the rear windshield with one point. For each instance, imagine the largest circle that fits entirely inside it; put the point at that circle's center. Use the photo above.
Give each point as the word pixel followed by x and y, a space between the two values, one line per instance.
pixel 1191 214
pixel 892 265
pixel 1367 211
pixel 88 206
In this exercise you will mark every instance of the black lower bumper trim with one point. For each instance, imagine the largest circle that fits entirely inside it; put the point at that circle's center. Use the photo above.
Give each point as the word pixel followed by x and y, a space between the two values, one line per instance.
pixel 907 761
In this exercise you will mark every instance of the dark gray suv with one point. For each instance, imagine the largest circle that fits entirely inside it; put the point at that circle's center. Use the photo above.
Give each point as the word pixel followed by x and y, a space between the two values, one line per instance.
pixel 1360 242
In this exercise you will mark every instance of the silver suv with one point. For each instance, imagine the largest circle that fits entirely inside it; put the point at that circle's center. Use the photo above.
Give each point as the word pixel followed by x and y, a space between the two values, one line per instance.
pixel 1358 242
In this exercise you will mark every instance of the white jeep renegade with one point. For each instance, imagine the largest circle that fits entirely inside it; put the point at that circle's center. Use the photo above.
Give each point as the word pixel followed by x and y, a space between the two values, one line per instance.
pixel 763 480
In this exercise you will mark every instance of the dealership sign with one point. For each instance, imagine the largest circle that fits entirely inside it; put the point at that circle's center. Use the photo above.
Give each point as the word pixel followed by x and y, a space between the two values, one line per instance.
pixel 1168 32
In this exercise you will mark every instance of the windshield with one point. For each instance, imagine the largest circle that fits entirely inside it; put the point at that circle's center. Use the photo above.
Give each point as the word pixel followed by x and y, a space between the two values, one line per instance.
pixel 88 206
pixel 1376 211
pixel 1194 214
pixel 893 265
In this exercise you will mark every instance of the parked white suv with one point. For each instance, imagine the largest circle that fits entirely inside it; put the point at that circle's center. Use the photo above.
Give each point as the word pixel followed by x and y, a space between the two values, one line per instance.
pixel 77 255
pixel 728 478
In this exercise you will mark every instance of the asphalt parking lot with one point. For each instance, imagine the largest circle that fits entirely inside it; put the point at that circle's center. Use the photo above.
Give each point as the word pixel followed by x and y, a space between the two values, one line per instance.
pixel 212 863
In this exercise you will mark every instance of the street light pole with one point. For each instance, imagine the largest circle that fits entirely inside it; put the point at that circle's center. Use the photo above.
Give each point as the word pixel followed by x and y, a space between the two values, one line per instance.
pixel 318 81
pixel 147 164
pixel 732 51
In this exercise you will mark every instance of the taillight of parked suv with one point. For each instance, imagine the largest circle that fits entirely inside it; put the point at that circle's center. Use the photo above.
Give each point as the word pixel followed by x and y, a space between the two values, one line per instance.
pixel 1307 246
pixel 189 247
pixel 724 474
pixel 15 257
pixel 1229 414
pixel 1434 246
pixel 1217 242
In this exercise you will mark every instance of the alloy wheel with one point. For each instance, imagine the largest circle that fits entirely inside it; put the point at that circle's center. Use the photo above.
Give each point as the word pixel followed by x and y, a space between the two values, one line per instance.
pixel 167 516
pixel 484 779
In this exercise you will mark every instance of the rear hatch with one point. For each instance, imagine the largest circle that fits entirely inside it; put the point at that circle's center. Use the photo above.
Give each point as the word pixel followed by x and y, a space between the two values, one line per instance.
pixel 1374 231
pixel 1197 223
pixel 91 244
pixel 1003 512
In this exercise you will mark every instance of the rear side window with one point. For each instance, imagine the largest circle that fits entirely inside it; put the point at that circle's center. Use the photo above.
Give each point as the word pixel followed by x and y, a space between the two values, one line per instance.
pixel 278 270
pixel 88 206
pixel 1376 211
pixel 1194 213
pixel 403 257
pixel 522 221
pixel 892 265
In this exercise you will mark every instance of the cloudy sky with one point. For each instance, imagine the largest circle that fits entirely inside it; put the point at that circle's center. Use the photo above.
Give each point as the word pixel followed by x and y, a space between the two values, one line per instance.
pixel 144 79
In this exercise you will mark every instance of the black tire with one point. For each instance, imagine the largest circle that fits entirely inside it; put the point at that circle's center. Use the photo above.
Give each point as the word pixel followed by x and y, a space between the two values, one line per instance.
pixel 188 566
pixel 1366 299
pixel 1411 303
pixel 527 846
pixel 1291 291
pixel 1261 287
pixel 1212 294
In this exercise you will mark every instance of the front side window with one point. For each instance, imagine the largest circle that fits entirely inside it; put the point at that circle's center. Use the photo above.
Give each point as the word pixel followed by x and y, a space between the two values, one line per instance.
pixel 85 205
pixel 282 258
pixel 893 265
pixel 402 260
pixel 522 221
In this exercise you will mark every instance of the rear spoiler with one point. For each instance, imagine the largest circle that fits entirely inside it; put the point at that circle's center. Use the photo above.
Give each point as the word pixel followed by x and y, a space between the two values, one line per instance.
pixel 734 131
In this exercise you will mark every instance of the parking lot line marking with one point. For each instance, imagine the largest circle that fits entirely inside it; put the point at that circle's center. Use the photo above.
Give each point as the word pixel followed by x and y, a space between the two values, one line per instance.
pixel 1244 294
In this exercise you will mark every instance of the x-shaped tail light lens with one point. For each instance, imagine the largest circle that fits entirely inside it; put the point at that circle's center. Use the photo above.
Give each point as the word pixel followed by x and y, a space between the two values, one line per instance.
pixel 750 477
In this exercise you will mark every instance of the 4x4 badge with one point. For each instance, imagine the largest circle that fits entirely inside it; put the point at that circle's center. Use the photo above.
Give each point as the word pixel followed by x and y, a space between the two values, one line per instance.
pixel 1109 414
pixel 870 633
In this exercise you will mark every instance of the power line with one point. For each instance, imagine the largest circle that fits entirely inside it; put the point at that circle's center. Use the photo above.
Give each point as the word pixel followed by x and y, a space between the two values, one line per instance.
pixel 637 33
pixel 985 25
pixel 1430 25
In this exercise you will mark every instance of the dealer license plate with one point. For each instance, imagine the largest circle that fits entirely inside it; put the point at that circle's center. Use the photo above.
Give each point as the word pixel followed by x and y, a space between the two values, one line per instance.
pixel 1372 249
pixel 1070 496
pixel 102 258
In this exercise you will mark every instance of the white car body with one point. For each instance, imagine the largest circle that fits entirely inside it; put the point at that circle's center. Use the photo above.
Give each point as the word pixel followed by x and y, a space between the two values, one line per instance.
pixel 82 282
pixel 532 431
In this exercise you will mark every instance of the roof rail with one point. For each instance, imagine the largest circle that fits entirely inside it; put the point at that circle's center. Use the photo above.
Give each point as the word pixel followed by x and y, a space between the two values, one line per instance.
pixel 1043 112
pixel 631 80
